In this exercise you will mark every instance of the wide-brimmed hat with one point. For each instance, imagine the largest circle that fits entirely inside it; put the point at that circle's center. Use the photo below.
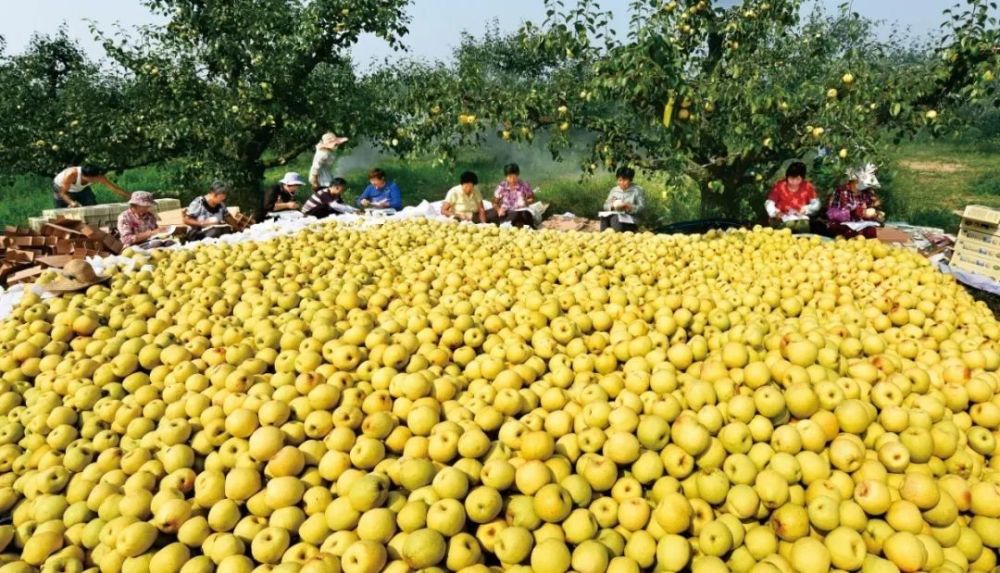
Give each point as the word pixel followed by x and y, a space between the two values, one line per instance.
pixel 142 199
pixel 330 141
pixel 864 176
pixel 292 178
pixel 76 275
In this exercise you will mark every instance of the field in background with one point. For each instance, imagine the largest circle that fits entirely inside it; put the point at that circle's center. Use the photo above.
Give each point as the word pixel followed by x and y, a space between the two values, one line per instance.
pixel 926 183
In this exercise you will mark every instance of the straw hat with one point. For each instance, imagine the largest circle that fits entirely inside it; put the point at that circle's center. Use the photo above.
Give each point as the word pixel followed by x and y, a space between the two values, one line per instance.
pixel 76 275
pixel 142 199
pixel 330 141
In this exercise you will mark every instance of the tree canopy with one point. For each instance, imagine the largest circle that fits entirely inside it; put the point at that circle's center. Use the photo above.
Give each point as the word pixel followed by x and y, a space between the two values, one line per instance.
pixel 221 88
pixel 721 94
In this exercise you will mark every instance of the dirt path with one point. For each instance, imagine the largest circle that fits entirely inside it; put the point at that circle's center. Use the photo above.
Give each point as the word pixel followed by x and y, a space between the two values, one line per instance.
pixel 933 166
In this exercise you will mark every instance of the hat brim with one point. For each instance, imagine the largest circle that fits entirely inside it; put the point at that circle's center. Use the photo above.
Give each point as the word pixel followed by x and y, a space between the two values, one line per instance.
pixel 293 183
pixel 333 143
pixel 150 205
pixel 64 285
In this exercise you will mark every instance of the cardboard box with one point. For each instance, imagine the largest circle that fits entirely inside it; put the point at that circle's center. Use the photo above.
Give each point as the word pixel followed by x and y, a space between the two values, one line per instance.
pixel 977 249
pixel 27 275
pixel 56 261
pixel 982 222
pixel 960 262
pixel 982 214
pixel 980 237
pixel 890 235
pixel 112 244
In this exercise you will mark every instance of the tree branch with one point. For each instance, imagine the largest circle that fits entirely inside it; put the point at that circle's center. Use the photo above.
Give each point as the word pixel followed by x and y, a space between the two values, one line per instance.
pixel 282 160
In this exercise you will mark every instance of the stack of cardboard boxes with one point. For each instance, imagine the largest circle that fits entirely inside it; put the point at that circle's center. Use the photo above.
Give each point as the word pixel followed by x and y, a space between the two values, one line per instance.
pixel 96 215
pixel 977 249
pixel 26 253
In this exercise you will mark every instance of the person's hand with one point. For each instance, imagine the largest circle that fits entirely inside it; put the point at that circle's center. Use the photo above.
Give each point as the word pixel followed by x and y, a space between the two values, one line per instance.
pixel 626 207
pixel 365 202
pixel 72 204
pixel 501 211
pixel 293 205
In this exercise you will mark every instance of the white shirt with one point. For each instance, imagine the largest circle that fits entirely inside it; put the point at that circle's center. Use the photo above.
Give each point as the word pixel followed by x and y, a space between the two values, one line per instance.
pixel 75 187
pixel 322 168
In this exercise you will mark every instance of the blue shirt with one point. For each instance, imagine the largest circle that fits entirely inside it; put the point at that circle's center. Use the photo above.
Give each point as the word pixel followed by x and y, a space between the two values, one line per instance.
pixel 389 192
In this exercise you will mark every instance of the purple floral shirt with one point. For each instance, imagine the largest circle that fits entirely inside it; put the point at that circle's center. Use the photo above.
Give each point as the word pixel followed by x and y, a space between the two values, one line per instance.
pixel 515 197
pixel 131 224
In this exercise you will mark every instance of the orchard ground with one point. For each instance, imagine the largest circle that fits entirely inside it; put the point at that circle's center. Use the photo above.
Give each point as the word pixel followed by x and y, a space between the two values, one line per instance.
pixel 926 182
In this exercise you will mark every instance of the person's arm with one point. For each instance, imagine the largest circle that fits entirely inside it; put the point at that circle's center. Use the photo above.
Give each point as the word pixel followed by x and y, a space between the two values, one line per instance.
pixel 772 209
pixel 395 197
pixel 771 204
pixel 529 197
pixel 64 190
pixel 814 204
pixel 482 212
pixel 609 201
pixel 192 222
pixel 640 200
pixel 446 209
pixel 498 201
pixel 103 180
pixel 363 200
pixel 269 202
pixel 317 164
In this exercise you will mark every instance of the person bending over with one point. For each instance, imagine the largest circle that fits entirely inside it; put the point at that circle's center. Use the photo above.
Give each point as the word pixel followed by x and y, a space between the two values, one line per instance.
pixel 323 202
pixel 71 187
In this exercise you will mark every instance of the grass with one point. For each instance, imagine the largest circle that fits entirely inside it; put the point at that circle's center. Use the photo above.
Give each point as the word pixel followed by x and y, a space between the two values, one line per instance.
pixel 932 180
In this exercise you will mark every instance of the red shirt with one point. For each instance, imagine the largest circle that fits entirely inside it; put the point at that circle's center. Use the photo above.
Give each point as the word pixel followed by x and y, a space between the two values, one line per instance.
pixel 786 201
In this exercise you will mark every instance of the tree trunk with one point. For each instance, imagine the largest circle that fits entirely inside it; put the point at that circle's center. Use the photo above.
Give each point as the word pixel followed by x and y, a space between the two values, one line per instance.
pixel 246 185
pixel 730 201
pixel 246 177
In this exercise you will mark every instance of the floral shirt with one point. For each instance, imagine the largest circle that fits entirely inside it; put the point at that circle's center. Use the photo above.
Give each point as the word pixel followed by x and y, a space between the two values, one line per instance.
pixel 131 223
pixel 843 202
pixel 200 210
pixel 783 200
pixel 509 198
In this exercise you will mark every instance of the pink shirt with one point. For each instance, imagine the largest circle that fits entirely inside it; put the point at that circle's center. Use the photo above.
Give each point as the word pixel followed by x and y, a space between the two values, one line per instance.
pixel 515 197
pixel 131 224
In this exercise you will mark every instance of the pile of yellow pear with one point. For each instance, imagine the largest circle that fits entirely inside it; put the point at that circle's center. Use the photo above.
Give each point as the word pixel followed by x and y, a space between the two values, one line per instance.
pixel 424 396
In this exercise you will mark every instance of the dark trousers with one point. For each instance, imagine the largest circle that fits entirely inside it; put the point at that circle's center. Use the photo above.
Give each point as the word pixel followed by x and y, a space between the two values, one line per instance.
pixel 615 223
pixel 515 218
pixel 832 230
pixel 85 197
pixel 198 233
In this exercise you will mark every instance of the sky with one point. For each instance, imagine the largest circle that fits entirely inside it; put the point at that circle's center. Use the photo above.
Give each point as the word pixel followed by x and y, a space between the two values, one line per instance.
pixel 435 26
